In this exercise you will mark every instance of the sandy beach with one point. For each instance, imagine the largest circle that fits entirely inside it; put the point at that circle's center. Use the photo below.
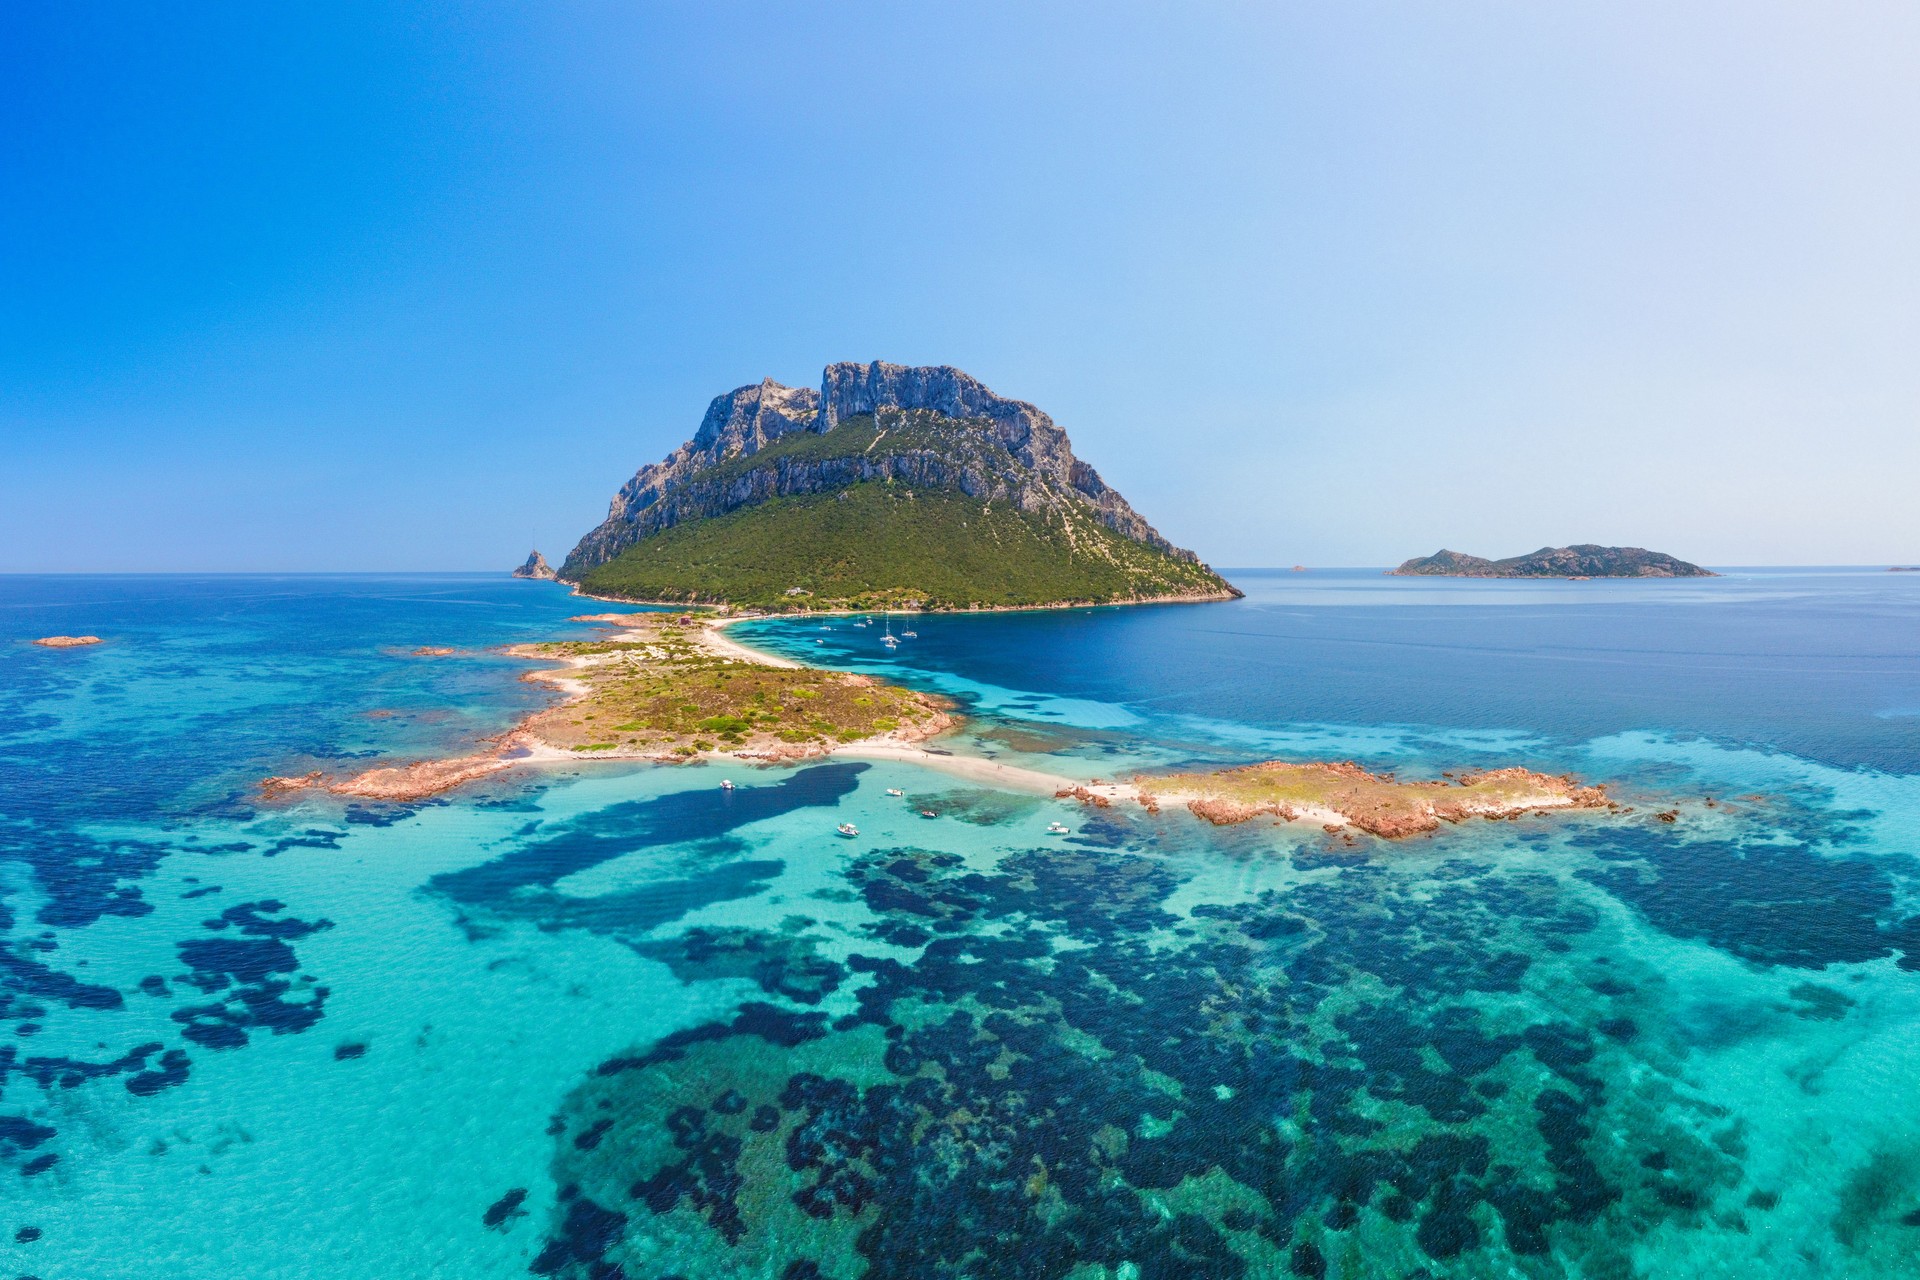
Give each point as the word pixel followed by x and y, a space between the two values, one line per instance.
pixel 988 772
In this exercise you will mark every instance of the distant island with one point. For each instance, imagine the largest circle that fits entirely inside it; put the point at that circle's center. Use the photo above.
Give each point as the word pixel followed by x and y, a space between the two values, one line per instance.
pixel 888 487
pixel 1582 560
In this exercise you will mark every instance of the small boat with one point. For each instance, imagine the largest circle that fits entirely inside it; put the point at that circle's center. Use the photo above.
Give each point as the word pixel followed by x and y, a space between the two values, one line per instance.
pixel 819 641
pixel 910 635
pixel 1057 828
pixel 726 784
pixel 895 791
pixel 848 830
pixel 890 642
pixel 928 813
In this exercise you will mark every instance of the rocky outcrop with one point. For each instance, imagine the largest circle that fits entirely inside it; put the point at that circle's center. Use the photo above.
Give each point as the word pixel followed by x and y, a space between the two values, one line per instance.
pixel 66 642
pixel 1582 560
pixel 536 567
pixel 1341 794
pixel 963 438
pixel 1451 564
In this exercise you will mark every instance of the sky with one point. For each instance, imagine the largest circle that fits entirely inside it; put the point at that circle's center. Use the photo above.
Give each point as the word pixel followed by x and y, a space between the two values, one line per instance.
pixel 356 287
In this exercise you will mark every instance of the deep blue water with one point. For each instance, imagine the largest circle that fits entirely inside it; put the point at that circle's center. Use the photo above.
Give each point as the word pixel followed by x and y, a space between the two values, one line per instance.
pixel 1824 664
pixel 606 1020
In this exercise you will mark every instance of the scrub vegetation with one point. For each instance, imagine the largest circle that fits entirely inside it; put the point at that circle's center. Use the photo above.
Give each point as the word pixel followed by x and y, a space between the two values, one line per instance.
pixel 656 692
pixel 880 544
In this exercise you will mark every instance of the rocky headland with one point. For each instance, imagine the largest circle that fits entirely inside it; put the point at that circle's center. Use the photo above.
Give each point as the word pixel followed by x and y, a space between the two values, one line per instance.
pixel 1582 560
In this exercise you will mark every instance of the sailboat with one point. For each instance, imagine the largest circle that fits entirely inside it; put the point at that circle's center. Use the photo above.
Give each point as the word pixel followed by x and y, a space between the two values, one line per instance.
pixel 889 639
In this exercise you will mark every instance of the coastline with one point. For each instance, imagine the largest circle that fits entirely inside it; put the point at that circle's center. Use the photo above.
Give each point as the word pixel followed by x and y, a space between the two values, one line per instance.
pixel 1211 597
pixel 1338 797
pixel 524 744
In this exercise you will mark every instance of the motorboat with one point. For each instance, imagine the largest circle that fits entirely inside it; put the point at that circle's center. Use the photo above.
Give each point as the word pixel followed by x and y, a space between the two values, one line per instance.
pixel 928 813
pixel 848 830
pixel 1057 828
pixel 895 791
pixel 726 784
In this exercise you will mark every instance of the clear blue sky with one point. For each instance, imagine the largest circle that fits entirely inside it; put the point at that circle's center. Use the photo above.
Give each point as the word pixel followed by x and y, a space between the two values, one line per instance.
pixel 337 286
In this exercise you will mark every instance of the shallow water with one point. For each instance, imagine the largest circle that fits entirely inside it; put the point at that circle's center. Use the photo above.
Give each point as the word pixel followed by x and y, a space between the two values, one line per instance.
pixel 609 1020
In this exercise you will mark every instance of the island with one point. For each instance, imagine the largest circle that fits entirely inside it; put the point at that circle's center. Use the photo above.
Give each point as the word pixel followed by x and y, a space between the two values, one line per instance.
pixel 1582 560
pixel 66 642
pixel 536 567
pixel 888 487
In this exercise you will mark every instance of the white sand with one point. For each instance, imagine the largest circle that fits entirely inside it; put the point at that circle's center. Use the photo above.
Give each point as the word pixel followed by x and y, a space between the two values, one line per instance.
pixel 712 637
pixel 990 772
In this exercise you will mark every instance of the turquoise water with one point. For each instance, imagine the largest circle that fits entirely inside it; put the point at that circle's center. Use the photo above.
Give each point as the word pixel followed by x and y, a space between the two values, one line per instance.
pixel 610 1021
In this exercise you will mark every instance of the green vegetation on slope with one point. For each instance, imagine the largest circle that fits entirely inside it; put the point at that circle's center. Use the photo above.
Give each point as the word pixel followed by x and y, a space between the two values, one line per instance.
pixel 654 692
pixel 876 544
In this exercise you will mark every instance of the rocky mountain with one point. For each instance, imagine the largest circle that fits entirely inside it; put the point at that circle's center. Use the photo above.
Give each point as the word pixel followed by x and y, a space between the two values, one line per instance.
pixel 536 567
pixel 871 432
pixel 1582 560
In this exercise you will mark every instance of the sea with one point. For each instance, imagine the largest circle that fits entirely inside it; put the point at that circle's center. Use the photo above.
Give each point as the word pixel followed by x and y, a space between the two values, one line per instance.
pixel 612 1020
